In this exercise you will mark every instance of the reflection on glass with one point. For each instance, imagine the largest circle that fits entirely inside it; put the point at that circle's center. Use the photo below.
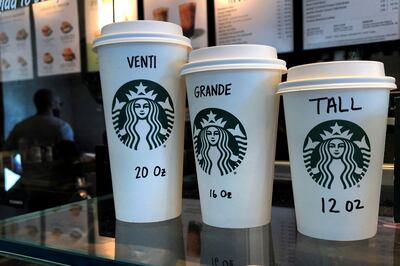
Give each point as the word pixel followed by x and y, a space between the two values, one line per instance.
pixel 10 178
pixel 158 243
pixel 193 246
pixel 236 246
pixel 68 228
pixel 374 251
pixel 24 231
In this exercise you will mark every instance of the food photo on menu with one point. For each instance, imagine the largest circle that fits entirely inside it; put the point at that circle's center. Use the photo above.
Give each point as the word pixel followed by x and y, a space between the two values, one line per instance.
pixel 160 13
pixel 5 64
pixel 187 15
pixel 191 15
pixel 66 27
pixel 46 30
pixel 68 55
pixel 21 35
pixel 22 61
pixel 3 38
pixel 48 58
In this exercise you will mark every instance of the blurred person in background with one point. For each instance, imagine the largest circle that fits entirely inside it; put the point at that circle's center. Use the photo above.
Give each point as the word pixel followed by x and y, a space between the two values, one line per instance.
pixel 45 128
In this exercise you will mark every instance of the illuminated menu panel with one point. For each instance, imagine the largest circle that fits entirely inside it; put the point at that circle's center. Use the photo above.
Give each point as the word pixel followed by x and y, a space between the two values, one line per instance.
pixel 190 14
pixel 125 10
pixel 15 45
pixel 268 22
pixel 98 13
pixel 57 37
pixel 338 23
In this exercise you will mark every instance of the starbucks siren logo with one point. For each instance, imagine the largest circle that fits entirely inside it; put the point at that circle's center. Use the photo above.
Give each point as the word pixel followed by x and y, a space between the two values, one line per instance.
pixel 337 150
pixel 142 114
pixel 220 141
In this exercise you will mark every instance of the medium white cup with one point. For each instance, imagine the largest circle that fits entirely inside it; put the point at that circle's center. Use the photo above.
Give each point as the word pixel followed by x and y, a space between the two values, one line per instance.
pixel 234 112
pixel 336 115
pixel 144 107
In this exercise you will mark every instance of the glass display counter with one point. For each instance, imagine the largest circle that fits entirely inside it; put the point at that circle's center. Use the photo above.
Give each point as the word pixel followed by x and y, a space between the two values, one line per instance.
pixel 86 233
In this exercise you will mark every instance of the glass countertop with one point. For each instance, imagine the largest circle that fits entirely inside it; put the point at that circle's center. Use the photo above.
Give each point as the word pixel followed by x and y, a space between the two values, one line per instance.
pixel 86 233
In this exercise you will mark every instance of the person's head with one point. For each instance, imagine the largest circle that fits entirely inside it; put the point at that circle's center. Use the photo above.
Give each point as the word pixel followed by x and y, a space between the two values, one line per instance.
pixel 46 101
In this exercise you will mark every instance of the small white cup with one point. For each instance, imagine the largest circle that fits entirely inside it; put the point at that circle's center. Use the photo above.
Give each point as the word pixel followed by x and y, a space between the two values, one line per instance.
pixel 336 115
pixel 144 108
pixel 234 113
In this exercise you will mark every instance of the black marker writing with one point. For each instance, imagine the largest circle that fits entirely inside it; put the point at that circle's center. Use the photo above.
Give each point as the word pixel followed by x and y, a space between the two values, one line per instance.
pixel 142 61
pixel 212 90
pixel 334 105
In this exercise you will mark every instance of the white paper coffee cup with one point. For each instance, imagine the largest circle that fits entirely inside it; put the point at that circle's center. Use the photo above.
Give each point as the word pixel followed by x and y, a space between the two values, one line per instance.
pixel 234 112
pixel 336 115
pixel 144 106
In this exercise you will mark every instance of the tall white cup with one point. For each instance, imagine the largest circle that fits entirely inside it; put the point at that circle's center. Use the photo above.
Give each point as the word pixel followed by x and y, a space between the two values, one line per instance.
pixel 234 112
pixel 336 117
pixel 144 106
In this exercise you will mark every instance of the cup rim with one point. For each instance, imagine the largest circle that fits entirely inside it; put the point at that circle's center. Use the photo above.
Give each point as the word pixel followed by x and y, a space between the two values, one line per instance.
pixel 125 36
pixel 238 45
pixel 99 42
pixel 360 82
pixel 233 56
pixel 334 63
pixel 233 67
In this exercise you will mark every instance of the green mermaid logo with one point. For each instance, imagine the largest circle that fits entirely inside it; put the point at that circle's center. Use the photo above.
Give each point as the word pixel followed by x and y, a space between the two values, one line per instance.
pixel 337 150
pixel 142 114
pixel 220 141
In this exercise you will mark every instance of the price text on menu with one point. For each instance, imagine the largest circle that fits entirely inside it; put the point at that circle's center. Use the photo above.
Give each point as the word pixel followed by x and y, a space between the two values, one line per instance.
pixel 339 23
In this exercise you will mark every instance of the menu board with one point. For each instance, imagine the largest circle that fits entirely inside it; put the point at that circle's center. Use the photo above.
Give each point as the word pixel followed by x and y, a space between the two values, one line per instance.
pixel 268 22
pixel 15 45
pixel 338 23
pixel 57 37
pixel 125 10
pixel 190 14
pixel 97 15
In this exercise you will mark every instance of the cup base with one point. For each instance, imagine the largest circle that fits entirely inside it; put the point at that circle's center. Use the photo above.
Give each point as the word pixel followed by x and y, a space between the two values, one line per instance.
pixel 233 226
pixel 339 237
pixel 142 221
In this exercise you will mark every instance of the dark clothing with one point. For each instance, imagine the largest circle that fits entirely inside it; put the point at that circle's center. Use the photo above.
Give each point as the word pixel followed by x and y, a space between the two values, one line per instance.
pixel 43 130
